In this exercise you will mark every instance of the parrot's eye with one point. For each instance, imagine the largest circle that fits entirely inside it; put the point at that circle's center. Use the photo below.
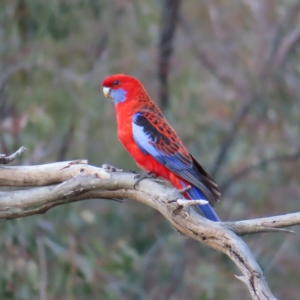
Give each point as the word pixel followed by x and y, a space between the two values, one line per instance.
pixel 116 82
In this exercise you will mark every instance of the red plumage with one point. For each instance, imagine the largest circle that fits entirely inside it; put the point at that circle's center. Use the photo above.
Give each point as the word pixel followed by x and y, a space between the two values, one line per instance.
pixel 137 100
pixel 131 99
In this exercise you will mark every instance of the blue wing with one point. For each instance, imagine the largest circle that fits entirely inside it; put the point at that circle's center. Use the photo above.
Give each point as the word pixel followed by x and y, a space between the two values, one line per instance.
pixel 154 136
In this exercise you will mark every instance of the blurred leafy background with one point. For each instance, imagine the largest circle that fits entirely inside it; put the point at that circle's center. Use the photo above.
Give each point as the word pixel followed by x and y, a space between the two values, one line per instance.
pixel 226 74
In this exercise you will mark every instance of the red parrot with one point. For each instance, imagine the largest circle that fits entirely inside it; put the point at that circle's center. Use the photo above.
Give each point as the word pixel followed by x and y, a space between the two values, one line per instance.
pixel 153 143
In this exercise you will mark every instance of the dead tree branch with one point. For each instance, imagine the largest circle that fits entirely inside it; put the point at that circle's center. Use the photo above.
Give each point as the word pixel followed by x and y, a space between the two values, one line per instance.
pixel 265 224
pixel 65 182
pixel 7 159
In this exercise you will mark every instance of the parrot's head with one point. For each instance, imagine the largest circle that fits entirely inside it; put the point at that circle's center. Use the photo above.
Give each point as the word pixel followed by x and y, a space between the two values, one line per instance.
pixel 117 87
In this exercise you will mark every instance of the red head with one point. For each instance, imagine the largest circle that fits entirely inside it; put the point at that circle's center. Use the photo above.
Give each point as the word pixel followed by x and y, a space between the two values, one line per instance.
pixel 119 86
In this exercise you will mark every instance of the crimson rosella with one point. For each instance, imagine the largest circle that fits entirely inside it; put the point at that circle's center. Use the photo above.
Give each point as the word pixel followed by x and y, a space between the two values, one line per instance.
pixel 153 143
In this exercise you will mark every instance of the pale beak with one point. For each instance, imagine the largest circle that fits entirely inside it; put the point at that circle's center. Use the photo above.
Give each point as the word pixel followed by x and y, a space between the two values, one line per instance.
pixel 106 91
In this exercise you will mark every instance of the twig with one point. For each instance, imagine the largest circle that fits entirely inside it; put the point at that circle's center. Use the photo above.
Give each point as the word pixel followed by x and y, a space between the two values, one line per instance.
pixel 185 189
pixel 187 203
pixel 281 158
pixel 268 224
pixel 7 159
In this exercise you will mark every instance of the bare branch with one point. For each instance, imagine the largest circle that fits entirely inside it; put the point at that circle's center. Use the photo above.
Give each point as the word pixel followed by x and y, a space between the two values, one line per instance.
pixel 265 224
pixel 45 174
pixel 77 181
pixel 24 203
pixel 185 189
pixel 186 203
pixel 7 159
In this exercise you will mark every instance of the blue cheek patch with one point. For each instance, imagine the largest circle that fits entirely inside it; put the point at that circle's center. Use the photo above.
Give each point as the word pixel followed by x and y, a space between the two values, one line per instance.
pixel 118 95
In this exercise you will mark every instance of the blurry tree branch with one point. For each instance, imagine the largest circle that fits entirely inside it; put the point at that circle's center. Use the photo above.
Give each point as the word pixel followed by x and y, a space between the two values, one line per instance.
pixel 43 269
pixel 273 50
pixel 279 44
pixel 288 42
pixel 4 159
pixel 264 162
pixel 169 20
pixel 268 224
pixel 66 182
pixel 234 127
pixel 66 142
pixel 207 60
pixel 67 74
pixel 225 78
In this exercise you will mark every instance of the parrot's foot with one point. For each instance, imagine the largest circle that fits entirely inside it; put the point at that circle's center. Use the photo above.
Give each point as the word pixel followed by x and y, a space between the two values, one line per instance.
pixel 185 189
pixel 140 177
pixel 132 171
pixel 110 168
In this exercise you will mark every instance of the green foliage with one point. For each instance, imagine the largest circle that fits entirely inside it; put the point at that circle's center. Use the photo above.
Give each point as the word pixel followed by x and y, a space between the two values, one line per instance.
pixel 52 103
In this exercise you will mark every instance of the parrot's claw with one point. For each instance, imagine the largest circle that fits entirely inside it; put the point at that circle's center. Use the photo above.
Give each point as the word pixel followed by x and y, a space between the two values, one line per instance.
pixel 132 171
pixel 109 168
pixel 140 177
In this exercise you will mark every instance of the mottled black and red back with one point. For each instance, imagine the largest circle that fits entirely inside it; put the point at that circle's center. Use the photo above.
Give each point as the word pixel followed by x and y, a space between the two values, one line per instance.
pixel 154 135
pixel 159 131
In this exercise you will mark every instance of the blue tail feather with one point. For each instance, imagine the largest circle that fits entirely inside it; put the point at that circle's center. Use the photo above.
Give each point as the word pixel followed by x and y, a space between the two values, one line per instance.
pixel 206 209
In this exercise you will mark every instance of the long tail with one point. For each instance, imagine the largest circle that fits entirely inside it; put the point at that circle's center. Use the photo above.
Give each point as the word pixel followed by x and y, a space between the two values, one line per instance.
pixel 206 209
